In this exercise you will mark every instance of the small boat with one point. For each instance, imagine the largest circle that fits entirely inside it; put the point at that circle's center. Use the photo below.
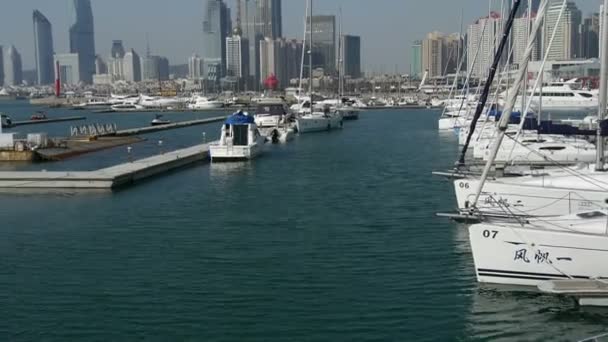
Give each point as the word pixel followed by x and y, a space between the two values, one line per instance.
pixel 240 140
pixel 5 121
pixel 348 113
pixel 281 135
pixel 38 116
pixel 127 107
pixel 318 121
pixel 204 103
pixel 159 121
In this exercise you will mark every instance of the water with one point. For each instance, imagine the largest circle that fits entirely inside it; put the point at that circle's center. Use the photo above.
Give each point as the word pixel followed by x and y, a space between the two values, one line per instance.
pixel 330 238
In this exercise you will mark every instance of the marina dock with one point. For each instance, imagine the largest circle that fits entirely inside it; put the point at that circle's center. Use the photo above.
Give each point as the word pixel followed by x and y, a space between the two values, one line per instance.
pixel 37 122
pixel 108 178
pixel 176 125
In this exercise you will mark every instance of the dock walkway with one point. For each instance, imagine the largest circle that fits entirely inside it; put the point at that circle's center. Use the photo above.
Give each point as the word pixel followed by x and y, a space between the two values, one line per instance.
pixel 176 125
pixel 108 178
pixel 51 120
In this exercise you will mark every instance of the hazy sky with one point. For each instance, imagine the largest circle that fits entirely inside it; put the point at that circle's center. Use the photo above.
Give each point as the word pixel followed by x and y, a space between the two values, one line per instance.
pixel 387 27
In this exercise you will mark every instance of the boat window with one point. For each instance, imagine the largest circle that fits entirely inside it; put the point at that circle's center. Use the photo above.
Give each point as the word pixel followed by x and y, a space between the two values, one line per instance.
pixel 534 141
pixel 552 148
pixel 587 95
pixel 591 214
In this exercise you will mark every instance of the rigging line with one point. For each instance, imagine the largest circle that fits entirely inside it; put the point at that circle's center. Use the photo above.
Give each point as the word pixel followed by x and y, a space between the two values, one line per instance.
pixel 542 68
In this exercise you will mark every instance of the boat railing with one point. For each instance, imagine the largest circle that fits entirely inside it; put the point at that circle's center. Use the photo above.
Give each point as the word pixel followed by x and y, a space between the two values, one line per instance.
pixel 598 338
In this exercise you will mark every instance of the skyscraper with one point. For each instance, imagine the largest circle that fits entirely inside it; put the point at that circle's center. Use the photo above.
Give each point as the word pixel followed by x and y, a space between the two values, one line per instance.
pixel 237 57
pixel 43 48
pixel 154 68
pixel 69 70
pixel 100 66
pixel 324 42
pixel 270 18
pixel 566 44
pixel 432 54
pixel 195 65
pixel 216 27
pixel 118 51
pixel 249 15
pixel 351 56
pixel 523 8
pixel 483 45
pixel 13 72
pixel 520 35
pixel 416 59
pixel 132 67
pixel 82 39
pixel 590 34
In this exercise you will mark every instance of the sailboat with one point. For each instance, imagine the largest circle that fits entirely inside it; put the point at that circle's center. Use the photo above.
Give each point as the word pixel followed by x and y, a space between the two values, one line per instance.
pixel 343 108
pixel 564 254
pixel 313 120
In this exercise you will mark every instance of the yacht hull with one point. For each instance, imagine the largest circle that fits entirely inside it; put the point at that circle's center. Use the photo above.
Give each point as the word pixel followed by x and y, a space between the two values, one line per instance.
pixel 512 255
pixel 318 124
pixel 505 199
pixel 234 153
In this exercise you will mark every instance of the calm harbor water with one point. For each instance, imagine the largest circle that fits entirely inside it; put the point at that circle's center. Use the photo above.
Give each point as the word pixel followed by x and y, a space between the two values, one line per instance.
pixel 330 238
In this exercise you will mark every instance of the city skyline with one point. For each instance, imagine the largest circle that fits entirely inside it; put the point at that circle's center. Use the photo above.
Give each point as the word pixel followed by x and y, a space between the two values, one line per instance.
pixel 385 21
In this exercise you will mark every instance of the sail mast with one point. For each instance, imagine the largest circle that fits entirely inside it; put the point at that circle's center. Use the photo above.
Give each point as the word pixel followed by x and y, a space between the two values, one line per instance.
pixel 603 100
pixel 490 80
pixel 310 57
pixel 504 119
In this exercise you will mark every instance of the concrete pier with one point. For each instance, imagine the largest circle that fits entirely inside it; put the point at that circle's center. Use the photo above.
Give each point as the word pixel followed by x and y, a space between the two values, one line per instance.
pixel 108 178
pixel 51 120
pixel 176 125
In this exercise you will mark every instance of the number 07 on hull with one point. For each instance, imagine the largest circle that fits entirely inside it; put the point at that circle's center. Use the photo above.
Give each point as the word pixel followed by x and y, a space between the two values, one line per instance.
pixel 514 255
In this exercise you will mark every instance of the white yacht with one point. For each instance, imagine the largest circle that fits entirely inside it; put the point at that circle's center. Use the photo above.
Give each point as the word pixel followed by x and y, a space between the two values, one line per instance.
pixel 530 252
pixel 318 121
pixel 240 140
pixel 348 112
pixel 93 103
pixel 127 107
pixel 563 97
pixel 204 103
pixel 270 113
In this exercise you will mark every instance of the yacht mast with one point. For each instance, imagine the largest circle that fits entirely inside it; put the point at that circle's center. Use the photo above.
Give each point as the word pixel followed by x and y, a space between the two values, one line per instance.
pixel 490 80
pixel 599 163
pixel 504 119
pixel 310 57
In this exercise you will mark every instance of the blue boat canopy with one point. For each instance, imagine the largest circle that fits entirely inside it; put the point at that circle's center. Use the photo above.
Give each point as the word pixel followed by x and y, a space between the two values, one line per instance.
pixel 239 118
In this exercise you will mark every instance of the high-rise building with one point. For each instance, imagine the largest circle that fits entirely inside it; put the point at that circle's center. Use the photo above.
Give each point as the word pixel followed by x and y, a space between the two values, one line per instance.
pixel 484 46
pixel 155 68
pixel 249 15
pixel 590 35
pixel 237 57
pixel 281 58
pixel 324 42
pixel 432 54
pixel 118 51
pixel 43 48
pixel 270 19
pixel 13 72
pixel 351 56
pixel 69 70
pixel 522 27
pixel 100 66
pixel 216 27
pixel 82 39
pixel 523 7
pixel 453 49
pixel 416 59
pixel 566 44
pixel 195 68
pixel 132 67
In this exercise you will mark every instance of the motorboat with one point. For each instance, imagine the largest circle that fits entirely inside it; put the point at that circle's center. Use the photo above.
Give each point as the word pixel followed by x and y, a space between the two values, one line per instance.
pixel 204 103
pixel 240 140
pixel 348 112
pixel 5 121
pixel 317 121
pixel 154 102
pixel 159 121
pixel 562 97
pixel 38 116
pixel 127 107
pixel 270 113
pixel 93 103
